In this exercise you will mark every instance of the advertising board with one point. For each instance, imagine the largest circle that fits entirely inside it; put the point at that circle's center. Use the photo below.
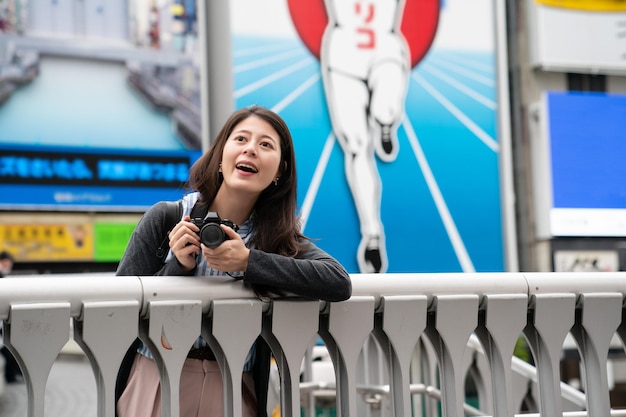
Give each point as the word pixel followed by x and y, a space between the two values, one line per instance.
pixel 397 139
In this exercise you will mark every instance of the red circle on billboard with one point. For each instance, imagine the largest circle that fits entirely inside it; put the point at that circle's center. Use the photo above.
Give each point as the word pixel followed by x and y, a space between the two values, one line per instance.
pixel 419 24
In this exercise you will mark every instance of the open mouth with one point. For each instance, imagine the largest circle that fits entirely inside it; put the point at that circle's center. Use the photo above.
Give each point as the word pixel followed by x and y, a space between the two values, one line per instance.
pixel 247 168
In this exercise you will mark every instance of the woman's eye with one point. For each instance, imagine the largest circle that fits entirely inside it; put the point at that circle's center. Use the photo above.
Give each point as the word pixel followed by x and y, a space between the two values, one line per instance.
pixel 267 144
pixel 240 139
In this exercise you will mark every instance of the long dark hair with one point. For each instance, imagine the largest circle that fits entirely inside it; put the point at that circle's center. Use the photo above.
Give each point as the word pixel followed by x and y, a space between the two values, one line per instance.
pixel 276 225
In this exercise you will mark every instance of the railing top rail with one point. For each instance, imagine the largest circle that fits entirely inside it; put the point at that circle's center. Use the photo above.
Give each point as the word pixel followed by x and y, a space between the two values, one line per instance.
pixel 71 288
pixel 488 283
pixel 79 288
pixel 576 282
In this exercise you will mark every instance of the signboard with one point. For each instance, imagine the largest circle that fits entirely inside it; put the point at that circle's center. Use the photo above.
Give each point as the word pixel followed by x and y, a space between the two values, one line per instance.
pixel 99 113
pixel 394 113
pixel 590 5
pixel 586 261
pixel 393 107
pixel 63 237
pixel 577 35
pixel 48 242
pixel 36 177
pixel 110 240
pixel 580 149
pixel 87 105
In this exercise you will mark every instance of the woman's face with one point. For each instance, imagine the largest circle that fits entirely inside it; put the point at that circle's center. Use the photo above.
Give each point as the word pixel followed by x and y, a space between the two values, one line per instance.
pixel 251 156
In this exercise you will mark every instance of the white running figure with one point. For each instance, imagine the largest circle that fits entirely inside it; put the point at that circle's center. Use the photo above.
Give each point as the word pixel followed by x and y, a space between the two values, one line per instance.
pixel 366 64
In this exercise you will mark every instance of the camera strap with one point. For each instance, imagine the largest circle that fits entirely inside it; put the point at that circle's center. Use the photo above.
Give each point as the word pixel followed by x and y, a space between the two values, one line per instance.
pixel 199 210
pixel 173 214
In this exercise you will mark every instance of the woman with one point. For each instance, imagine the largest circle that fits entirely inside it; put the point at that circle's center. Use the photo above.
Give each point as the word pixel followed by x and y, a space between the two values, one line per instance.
pixel 248 176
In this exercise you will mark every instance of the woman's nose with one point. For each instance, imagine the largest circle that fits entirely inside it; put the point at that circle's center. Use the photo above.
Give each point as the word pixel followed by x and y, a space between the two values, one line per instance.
pixel 250 149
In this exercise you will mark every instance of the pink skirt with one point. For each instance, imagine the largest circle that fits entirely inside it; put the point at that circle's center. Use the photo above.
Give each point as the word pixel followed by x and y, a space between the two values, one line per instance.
pixel 200 390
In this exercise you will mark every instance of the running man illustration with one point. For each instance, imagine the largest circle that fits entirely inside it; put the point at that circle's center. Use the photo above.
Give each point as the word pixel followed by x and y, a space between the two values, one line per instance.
pixel 366 65
pixel 367 51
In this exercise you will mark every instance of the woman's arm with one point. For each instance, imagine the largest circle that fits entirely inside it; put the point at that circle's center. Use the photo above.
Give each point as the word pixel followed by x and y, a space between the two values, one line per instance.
pixel 314 274
pixel 140 257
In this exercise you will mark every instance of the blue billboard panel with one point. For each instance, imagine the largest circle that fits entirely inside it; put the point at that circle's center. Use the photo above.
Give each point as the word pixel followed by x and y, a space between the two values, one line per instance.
pixel 79 132
pixel 587 149
pixel 35 177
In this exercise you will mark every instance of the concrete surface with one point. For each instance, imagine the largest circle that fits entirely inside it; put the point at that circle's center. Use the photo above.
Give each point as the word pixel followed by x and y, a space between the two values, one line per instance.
pixel 71 391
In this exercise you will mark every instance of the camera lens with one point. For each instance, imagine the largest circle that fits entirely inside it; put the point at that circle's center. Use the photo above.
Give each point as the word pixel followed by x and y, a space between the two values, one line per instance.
pixel 212 235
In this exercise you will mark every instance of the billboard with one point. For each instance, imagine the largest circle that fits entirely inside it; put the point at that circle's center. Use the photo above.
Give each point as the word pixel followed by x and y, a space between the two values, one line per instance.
pixel 94 105
pixel 393 106
pixel 65 237
pixel 580 147
pixel 577 35
pixel 53 178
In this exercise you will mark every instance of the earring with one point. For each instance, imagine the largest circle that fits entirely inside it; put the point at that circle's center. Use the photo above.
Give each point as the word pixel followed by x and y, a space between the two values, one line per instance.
pixel 276 180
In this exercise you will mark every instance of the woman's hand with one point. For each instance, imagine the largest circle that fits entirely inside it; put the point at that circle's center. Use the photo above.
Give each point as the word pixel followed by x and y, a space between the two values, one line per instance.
pixel 185 243
pixel 231 256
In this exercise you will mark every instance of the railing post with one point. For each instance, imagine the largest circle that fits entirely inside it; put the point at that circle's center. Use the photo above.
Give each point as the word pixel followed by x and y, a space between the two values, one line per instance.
pixel 500 326
pixel 453 322
pixel 289 331
pixel 35 335
pixel 596 322
pixel 170 331
pixel 231 331
pixel 552 318
pixel 344 330
pixel 398 329
pixel 104 331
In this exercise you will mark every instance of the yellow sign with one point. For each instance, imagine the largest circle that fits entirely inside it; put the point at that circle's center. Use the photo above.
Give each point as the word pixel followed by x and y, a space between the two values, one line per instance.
pixel 177 9
pixel 588 5
pixel 48 242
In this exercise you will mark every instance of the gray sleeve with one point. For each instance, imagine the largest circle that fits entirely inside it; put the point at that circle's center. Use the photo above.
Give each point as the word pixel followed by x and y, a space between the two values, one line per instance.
pixel 313 274
pixel 140 257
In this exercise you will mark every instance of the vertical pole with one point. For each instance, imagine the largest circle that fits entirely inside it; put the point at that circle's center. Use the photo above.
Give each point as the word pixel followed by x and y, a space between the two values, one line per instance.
pixel 507 199
pixel 216 75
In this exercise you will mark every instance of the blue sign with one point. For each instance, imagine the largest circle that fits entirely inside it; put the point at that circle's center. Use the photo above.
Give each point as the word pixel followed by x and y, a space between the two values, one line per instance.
pixel 586 165
pixel 71 178
pixel 588 148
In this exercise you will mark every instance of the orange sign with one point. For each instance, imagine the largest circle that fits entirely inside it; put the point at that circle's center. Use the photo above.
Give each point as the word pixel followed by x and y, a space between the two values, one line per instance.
pixel 48 242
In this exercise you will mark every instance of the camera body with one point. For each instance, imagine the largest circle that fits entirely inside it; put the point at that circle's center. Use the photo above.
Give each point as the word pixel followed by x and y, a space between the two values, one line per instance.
pixel 211 234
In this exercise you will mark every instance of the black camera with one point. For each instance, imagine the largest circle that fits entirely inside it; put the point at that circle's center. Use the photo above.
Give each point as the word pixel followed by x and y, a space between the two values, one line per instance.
pixel 211 234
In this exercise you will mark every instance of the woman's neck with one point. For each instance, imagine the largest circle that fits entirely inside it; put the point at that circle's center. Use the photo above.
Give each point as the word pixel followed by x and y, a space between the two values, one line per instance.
pixel 236 207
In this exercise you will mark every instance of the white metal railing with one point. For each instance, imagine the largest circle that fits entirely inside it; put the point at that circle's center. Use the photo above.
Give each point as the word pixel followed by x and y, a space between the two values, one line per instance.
pixel 458 324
